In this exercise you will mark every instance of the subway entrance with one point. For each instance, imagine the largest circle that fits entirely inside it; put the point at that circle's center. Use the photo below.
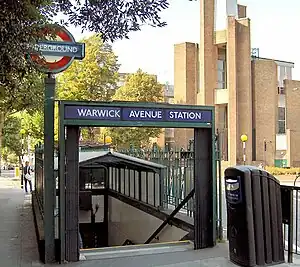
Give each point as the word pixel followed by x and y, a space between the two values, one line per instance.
pixel 141 183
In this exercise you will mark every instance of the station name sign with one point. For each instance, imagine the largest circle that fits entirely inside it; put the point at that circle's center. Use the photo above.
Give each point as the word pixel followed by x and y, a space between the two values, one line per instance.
pixel 55 48
pixel 137 114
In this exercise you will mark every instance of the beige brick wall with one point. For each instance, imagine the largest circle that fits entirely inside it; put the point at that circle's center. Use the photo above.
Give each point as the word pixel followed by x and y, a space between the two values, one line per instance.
pixel 265 103
pixel 185 73
pixel 293 152
pixel 208 53
pixel 292 89
pixel 244 90
pixel 185 84
pixel 231 54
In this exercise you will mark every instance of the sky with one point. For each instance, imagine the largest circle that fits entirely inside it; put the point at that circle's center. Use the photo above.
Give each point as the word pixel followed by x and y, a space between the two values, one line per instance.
pixel 274 30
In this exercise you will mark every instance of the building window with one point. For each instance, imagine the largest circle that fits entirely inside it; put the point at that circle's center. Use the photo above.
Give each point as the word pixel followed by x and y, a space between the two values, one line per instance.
pixel 281 91
pixel 221 74
pixel 288 73
pixel 281 120
pixel 284 73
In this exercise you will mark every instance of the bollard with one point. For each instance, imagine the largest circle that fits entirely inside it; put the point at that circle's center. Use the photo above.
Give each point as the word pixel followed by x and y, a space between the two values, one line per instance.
pixel 17 172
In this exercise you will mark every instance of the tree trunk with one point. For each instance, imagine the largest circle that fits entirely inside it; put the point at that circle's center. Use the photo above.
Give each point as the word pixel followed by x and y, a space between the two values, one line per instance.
pixel 2 117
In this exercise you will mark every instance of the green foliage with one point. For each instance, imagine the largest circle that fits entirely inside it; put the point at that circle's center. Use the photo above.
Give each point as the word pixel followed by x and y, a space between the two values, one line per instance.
pixel 139 87
pixel 12 136
pixel 113 19
pixel 33 125
pixel 93 78
pixel 22 20
pixel 20 25
pixel 28 95
pixel 9 157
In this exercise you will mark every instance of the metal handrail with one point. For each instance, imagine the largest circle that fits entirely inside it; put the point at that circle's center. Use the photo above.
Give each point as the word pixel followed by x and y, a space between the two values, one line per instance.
pixel 297 176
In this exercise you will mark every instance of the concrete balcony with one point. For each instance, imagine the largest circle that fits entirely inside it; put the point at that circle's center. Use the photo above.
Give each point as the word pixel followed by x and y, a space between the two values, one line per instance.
pixel 221 96
pixel 281 142
pixel 220 37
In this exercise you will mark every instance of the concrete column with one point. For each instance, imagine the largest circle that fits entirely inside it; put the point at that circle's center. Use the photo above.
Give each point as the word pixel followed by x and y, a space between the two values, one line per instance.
pixel 289 150
pixel 244 90
pixel 208 53
pixel 231 53
pixel 186 77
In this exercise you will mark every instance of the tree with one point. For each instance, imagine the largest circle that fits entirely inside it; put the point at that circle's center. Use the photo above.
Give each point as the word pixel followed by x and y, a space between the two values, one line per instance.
pixel 12 136
pixel 139 87
pixel 28 94
pixel 33 125
pixel 21 22
pixel 92 79
pixel 20 25
pixel 113 19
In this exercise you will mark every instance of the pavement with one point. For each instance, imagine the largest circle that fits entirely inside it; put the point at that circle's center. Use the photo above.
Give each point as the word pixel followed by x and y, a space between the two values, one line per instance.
pixel 18 245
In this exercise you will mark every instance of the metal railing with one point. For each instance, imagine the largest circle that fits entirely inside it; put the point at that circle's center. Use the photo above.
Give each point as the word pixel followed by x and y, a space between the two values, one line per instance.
pixel 39 174
pixel 144 186
pixel 179 176
pixel 291 223
pixel 177 182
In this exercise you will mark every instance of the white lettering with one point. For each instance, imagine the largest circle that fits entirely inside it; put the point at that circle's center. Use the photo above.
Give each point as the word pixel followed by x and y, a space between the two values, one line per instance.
pixel 94 112
pixel 55 48
pixel 185 115
pixel 146 114
pixel 132 114
pixel 111 113
pixel 101 113
pixel 81 112
pixel 117 113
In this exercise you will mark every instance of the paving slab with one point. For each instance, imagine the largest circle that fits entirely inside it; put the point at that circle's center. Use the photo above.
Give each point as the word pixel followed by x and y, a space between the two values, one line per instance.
pixel 18 245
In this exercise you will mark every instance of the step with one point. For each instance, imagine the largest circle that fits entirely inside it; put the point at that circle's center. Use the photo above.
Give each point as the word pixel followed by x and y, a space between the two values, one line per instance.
pixel 135 250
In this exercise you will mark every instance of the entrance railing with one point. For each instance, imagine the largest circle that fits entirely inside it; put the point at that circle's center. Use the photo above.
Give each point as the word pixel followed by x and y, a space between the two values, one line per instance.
pixel 291 219
pixel 179 177
pixel 39 174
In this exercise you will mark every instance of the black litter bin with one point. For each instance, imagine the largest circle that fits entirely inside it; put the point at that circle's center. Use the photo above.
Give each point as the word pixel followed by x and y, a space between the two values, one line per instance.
pixel 254 217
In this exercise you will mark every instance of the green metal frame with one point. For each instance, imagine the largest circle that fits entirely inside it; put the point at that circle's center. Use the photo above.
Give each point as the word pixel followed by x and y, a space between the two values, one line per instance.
pixel 102 123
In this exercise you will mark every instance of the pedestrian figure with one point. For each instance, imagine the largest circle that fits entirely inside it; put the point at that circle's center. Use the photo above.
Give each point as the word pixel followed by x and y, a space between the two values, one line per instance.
pixel 27 176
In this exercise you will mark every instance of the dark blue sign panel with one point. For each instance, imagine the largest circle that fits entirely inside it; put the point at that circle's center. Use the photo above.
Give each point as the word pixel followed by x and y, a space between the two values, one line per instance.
pixel 137 114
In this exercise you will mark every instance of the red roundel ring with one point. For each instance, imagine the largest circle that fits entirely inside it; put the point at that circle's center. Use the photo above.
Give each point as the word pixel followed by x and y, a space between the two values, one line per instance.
pixel 65 61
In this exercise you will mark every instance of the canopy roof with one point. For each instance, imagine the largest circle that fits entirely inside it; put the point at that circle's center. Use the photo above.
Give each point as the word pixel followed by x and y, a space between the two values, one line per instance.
pixel 114 159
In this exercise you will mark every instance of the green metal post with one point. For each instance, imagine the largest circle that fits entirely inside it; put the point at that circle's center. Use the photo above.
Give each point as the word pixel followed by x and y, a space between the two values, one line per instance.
pixel 214 175
pixel 62 185
pixel 220 230
pixel 49 195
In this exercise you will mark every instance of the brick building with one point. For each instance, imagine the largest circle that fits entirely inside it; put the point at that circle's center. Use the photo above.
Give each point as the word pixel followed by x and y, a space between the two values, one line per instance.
pixel 252 95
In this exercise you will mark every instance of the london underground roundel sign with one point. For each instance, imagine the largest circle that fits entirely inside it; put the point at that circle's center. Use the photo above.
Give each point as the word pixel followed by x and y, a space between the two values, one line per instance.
pixel 54 56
